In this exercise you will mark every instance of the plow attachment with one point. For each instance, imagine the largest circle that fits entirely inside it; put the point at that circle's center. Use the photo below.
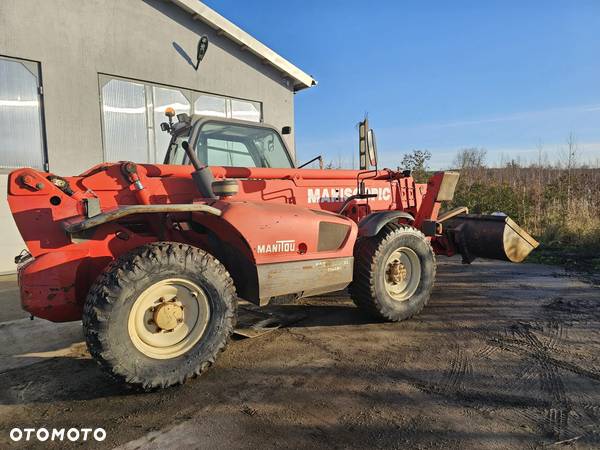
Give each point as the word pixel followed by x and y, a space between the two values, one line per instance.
pixel 489 236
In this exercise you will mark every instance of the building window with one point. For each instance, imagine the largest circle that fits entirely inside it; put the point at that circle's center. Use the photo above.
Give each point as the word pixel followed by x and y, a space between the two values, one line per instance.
pixel 165 98
pixel 210 105
pixel 125 127
pixel 245 110
pixel 21 122
pixel 132 112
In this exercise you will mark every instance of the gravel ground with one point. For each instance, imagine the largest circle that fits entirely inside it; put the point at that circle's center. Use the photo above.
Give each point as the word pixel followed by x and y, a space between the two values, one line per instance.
pixel 504 356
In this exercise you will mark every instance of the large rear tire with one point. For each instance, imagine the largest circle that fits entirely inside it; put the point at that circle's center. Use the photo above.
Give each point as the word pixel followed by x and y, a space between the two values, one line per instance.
pixel 394 273
pixel 160 314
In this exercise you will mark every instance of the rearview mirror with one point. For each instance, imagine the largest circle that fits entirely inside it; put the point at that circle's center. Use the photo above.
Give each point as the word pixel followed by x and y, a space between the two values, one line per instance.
pixel 183 117
pixel 362 144
pixel 367 147
pixel 372 148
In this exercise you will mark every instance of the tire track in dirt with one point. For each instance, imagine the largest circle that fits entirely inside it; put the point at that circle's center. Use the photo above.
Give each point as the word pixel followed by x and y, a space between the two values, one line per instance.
pixel 574 310
pixel 550 380
pixel 453 381
pixel 557 335
pixel 526 374
pixel 453 378
pixel 486 351
pixel 556 417
pixel 555 420
pixel 552 411
pixel 519 347
pixel 561 419
pixel 593 412
pixel 539 344
pixel 458 383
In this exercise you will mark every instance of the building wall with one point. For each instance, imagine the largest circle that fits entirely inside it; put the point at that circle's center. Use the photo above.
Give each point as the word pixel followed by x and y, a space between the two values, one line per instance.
pixel 145 40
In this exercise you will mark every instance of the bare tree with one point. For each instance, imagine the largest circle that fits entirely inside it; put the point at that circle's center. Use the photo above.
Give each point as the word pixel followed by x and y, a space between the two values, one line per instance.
pixel 470 158
pixel 571 163
pixel 471 163
pixel 417 161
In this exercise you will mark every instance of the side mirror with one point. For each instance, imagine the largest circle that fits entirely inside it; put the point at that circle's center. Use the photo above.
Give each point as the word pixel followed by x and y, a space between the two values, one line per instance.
pixel 367 147
pixel 362 144
pixel 201 50
pixel 165 126
pixel 372 148
pixel 286 130
pixel 183 117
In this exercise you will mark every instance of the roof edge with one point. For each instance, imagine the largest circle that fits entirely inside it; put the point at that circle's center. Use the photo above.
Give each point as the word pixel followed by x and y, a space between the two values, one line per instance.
pixel 213 19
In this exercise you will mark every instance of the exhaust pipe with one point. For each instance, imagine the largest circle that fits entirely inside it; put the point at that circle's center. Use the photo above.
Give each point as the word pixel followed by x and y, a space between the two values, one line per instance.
pixel 489 236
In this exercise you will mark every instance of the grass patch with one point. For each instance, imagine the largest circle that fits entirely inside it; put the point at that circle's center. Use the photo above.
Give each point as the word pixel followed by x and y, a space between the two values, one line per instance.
pixel 584 259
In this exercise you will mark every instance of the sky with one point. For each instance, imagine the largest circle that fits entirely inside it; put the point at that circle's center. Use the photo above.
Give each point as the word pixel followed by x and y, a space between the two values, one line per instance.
pixel 511 77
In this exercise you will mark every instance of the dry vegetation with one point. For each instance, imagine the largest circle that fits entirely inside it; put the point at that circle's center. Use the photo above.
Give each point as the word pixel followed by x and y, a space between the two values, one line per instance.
pixel 558 203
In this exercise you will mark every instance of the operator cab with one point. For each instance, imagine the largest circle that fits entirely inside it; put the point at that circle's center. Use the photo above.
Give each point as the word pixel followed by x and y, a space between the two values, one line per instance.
pixel 226 142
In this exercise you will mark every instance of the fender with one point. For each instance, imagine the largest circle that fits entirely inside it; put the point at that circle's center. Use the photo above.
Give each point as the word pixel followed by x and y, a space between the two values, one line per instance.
pixel 373 223
pixel 276 249
pixel 123 211
pixel 276 233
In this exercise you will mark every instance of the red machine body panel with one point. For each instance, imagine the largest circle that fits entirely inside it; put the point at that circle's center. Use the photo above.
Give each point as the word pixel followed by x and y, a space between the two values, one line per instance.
pixel 278 216
pixel 276 232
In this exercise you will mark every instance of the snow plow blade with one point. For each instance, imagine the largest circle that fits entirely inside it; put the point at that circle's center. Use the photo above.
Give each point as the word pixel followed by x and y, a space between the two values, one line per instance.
pixel 489 236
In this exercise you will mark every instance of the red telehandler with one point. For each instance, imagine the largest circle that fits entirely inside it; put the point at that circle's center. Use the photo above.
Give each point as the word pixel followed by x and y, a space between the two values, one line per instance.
pixel 153 257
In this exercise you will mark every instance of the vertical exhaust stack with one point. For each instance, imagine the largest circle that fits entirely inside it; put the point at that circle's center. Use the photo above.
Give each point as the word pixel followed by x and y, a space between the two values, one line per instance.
pixel 202 175
pixel 489 236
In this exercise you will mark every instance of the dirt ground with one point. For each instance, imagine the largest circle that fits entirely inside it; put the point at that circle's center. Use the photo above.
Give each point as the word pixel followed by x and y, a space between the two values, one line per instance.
pixel 504 356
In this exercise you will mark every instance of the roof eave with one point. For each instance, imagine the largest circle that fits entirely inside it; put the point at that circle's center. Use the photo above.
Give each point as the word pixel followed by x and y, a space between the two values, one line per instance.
pixel 199 11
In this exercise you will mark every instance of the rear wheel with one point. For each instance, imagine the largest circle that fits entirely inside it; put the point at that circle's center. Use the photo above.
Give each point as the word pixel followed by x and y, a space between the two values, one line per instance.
pixel 394 273
pixel 160 314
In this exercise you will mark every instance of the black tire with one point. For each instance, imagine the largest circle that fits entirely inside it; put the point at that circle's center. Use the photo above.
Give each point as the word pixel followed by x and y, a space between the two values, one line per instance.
pixel 110 300
pixel 368 286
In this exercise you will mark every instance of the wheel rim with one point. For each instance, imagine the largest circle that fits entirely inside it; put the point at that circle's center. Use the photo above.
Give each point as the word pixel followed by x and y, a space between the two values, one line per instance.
pixel 402 274
pixel 168 318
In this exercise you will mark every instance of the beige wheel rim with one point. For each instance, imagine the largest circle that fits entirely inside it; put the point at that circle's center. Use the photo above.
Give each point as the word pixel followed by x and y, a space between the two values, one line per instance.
pixel 402 274
pixel 168 318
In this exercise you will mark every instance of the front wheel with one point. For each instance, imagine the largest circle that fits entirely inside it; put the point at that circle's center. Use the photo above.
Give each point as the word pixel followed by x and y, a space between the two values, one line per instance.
pixel 160 314
pixel 394 273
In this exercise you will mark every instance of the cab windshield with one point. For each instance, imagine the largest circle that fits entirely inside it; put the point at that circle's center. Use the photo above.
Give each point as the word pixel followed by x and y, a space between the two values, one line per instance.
pixel 236 145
